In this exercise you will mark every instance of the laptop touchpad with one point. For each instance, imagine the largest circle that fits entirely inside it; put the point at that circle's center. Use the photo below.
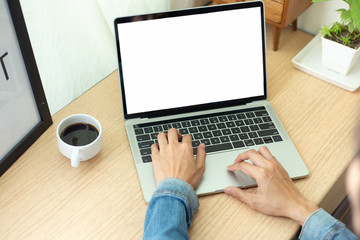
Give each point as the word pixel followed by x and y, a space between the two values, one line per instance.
pixel 216 177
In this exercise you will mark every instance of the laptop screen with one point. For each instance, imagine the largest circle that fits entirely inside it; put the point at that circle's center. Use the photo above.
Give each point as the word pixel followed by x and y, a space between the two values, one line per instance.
pixel 178 60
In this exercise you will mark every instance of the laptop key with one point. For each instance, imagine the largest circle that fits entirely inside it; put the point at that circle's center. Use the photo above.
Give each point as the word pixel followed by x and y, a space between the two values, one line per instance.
pixel 148 130
pixel 248 121
pixel 184 131
pixel 218 147
pixel 215 140
pixel 268 132
pixel 208 135
pixel 144 137
pixel 154 135
pixel 145 151
pixel 264 126
pixel 254 128
pixel 238 144
pixel 193 130
pixel 268 139
pixel 217 133
pixel 226 132
pixel 245 129
pixel 146 159
pixel 158 129
pixel 240 116
pixel 257 120
pixel 223 119
pixel 204 121
pixel 166 126
pixel 202 128
pixel 234 138
pixel 139 131
pixel 211 127
pixel 205 141
pixel 214 120
pixel 176 125
pixel 232 117
pixel 198 136
pixel 243 136
pixel 225 139
pixel 250 115
pixel 230 124
pixel 266 119
pixel 195 123
pixel 261 113
pixel 235 130
pixel 249 142
pixel 258 141
pixel 186 124
pixel 146 144
pixel 252 134
pixel 221 125
pixel 240 123
pixel 277 138
pixel 195 143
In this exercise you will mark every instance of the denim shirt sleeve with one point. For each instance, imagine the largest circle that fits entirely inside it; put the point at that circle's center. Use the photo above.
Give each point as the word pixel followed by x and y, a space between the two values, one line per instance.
pixel 171 210
pixel 321 225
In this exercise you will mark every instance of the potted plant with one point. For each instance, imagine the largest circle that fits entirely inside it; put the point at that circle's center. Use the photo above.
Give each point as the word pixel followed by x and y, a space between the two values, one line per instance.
pixel 341 41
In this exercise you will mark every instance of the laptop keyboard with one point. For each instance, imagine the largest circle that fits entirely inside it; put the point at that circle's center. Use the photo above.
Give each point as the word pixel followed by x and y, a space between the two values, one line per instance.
pixel 219 132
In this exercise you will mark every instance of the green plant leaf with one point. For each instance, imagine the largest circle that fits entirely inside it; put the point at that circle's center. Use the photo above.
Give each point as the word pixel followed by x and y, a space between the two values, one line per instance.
pixel 351 27
pixel 355 12
pixel 345 14
pixel 325 31
pixel 336 28
pixel 345 40
pixel 320 0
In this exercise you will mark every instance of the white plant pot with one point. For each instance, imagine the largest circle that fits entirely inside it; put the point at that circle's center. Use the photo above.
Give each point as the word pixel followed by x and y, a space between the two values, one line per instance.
pixel 338 57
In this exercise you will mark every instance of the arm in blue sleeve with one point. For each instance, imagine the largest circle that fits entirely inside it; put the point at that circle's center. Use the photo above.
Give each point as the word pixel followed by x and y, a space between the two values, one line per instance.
pixel 321 225
pixel 171 210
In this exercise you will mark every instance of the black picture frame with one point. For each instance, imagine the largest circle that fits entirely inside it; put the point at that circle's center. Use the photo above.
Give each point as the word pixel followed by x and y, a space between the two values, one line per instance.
pixel 45 122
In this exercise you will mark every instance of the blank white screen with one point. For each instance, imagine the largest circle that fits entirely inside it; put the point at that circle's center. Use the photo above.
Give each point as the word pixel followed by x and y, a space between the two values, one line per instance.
pixel 190 60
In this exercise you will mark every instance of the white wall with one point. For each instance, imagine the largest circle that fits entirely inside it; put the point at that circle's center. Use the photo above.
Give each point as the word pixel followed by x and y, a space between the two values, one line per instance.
pixel 73 40
pixel 318 14
pixel 72 47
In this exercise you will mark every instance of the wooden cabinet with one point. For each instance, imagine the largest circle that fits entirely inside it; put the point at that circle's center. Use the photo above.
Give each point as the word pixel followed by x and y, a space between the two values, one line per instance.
pixel 279 13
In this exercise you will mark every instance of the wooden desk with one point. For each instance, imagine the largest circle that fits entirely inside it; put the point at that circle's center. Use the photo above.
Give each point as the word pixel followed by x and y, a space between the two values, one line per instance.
pixel 43 197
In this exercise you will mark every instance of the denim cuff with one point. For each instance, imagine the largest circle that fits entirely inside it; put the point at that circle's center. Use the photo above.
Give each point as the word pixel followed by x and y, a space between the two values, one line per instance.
pixel 181 190
pixel 321 225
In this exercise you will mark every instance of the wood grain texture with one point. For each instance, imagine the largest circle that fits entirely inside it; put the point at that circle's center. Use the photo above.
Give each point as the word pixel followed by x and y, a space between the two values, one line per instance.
pixel 274 11
pixel 294 9
pixel 43 197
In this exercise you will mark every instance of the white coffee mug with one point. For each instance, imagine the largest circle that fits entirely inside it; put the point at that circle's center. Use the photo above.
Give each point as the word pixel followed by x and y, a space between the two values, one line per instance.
pixel 74 149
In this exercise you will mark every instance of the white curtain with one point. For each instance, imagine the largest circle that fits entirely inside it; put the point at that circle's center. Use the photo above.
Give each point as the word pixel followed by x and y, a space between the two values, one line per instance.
pixel 73 40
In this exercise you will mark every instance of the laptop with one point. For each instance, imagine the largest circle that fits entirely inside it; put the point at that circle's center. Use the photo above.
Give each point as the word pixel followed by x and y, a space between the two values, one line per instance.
pixel 202 71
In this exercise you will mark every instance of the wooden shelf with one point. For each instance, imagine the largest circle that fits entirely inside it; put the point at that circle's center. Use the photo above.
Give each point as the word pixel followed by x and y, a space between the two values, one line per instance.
pixel 279 13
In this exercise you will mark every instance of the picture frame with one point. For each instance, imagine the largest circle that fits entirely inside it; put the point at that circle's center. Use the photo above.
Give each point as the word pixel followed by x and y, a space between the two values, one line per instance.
pixel 24 112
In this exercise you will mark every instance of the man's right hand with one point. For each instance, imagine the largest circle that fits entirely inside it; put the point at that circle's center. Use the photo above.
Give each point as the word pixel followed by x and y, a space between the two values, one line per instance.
pixel 276 194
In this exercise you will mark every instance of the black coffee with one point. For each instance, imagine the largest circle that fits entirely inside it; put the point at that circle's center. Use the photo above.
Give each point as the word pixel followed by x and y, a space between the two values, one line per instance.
pixel 79 134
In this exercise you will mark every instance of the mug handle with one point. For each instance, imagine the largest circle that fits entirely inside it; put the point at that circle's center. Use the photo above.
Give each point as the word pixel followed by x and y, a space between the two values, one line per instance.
pixel 75 158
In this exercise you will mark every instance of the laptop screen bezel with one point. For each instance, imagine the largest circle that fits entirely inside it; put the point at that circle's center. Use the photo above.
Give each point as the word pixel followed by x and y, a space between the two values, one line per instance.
pixel 185 12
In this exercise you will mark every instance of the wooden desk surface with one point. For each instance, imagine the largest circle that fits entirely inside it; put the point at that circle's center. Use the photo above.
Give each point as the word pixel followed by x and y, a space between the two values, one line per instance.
pixel 43 197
